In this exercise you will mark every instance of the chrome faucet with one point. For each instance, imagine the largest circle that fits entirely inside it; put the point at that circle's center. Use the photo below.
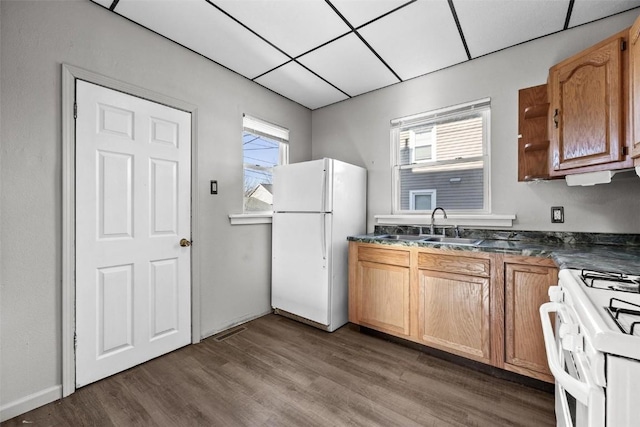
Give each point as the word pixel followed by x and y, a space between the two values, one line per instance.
pixel 431 231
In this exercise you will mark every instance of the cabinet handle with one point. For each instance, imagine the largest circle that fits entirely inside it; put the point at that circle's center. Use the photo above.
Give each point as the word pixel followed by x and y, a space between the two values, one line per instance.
pixel 555 117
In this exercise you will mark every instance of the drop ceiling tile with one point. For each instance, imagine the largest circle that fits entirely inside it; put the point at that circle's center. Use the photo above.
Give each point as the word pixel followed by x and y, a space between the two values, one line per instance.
pixel 350 65
pixel 296 83
pixel 362 11
pixel 417 39
pixel 489 26
pixel 295 26
pixel 201 27
pixel 105 3
pixel 589 10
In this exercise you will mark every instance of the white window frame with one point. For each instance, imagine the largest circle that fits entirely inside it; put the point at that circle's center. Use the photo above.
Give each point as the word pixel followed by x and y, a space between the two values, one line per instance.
pixel 414 193
pixel 275 133
pixel 424 119
pixel 413 144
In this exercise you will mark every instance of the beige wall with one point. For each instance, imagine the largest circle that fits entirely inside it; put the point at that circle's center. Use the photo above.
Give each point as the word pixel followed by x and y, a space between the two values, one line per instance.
pixel 36 38
pixel 357 131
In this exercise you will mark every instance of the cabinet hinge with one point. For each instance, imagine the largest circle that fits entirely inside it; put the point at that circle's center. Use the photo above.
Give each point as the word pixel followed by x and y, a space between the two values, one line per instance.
pixel 623 45
pixel 75 340
pixel 75 110
pixel 625 151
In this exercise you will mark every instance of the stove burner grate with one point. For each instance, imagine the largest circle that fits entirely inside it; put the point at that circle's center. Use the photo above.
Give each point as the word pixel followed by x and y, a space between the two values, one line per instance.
pixel 612 281
pixel 615 312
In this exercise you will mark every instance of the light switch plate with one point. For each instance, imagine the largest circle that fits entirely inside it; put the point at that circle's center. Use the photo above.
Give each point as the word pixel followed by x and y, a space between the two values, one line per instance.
pixel 557 214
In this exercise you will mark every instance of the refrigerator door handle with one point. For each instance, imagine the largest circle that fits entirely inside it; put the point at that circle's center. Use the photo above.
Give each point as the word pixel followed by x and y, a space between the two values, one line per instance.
pixel 324 190
pixel 323 230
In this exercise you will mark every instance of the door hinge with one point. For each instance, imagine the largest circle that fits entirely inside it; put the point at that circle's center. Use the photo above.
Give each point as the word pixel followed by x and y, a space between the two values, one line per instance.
pixel 75 110
pixel 623 45
pixel 75 341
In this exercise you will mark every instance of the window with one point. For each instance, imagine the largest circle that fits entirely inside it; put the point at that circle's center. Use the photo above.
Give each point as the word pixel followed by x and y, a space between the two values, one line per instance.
pixel 422 200
pixel 443 153
pixel 264 145
pixel 422 145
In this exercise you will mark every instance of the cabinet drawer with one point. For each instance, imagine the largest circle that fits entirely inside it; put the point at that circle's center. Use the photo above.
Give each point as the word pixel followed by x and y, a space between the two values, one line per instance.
pixel 455 264
pixel 383 256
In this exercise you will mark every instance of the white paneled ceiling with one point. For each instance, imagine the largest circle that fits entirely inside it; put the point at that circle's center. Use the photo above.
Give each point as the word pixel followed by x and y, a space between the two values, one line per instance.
pixel 294 26
pixel 296 82
pixel 202 28
pixel 417 39
pixel 588 10
pixel 350 65
pixel 511 22
pixel 318 52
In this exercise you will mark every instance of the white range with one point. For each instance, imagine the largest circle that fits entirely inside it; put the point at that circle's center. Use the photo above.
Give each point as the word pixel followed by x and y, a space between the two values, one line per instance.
pixel 594 348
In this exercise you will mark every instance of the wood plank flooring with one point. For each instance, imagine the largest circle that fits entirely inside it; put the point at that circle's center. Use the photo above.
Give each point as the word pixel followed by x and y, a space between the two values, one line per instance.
pixel 278 372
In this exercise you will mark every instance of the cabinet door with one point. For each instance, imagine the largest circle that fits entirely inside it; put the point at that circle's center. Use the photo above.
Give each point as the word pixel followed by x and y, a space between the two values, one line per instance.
pixel 526 289
pixel 634 75
pixel 533 133
pixel 382 293
pixel 586 113
pixel 453 313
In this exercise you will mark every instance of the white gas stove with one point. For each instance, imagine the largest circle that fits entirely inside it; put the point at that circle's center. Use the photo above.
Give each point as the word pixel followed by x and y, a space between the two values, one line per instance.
pixel 594 348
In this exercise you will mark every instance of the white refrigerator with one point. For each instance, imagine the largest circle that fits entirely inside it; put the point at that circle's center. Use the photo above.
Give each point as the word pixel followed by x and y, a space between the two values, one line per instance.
pixel 316 205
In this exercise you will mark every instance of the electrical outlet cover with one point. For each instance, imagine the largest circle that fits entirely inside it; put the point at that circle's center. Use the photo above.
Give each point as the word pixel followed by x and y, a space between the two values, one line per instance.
pixel 557 214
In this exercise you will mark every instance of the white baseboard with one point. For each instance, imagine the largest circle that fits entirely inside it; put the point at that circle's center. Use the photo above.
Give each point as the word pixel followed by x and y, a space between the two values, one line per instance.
pixel 27 403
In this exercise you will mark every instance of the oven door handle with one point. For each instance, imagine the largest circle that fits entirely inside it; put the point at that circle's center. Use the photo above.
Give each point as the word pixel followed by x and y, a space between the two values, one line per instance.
pixel 575 387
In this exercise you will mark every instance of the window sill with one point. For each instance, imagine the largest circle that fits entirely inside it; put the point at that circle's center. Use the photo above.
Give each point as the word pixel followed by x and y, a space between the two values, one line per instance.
pixel 253 218
pixel 475 220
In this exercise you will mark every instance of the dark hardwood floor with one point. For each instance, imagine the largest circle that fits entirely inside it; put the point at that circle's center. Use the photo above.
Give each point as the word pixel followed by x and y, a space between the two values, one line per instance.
pixel 277 372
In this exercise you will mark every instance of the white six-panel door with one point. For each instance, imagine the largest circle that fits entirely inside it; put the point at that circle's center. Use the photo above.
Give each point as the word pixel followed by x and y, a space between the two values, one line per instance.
pixel 133 192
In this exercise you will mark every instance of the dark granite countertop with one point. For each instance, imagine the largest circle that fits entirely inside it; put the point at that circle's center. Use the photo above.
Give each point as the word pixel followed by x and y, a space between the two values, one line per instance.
pixel 614 253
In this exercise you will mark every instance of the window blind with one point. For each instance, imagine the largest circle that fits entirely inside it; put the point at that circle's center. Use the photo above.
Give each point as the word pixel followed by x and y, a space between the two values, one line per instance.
pixel 266 129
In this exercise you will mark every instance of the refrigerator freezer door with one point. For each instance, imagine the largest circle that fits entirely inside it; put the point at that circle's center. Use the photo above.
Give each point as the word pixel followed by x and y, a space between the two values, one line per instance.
pixel 301 264
pixel 303 187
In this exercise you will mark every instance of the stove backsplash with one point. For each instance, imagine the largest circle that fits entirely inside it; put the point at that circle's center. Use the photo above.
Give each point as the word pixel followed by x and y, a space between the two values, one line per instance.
pixel 553 237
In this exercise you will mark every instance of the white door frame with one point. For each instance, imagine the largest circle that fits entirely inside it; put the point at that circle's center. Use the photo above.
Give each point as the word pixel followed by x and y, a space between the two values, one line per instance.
pixel 69 76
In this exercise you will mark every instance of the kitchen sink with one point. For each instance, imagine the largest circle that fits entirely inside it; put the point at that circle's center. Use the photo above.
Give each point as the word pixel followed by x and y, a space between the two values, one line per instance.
pixel 400 237
pixel 452 240
pixel 431 239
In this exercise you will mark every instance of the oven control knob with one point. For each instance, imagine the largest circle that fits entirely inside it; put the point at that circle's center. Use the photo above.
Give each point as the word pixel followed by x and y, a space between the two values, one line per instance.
pixel 572 343
pixel 556 294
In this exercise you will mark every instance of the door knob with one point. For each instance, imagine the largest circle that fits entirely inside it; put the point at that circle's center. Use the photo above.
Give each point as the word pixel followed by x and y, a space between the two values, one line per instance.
pixel 185 243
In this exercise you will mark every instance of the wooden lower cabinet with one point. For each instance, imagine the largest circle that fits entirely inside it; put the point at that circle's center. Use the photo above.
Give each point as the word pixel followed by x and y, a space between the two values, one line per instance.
pixel 477 305
pixel 526 288
pixel 383 297
pixel 453 313
pixel 379 289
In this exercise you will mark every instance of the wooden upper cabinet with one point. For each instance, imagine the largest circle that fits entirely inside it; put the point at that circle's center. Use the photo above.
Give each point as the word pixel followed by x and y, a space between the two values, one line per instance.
pixel 634 86
pixel 533 133
pixel 587 109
